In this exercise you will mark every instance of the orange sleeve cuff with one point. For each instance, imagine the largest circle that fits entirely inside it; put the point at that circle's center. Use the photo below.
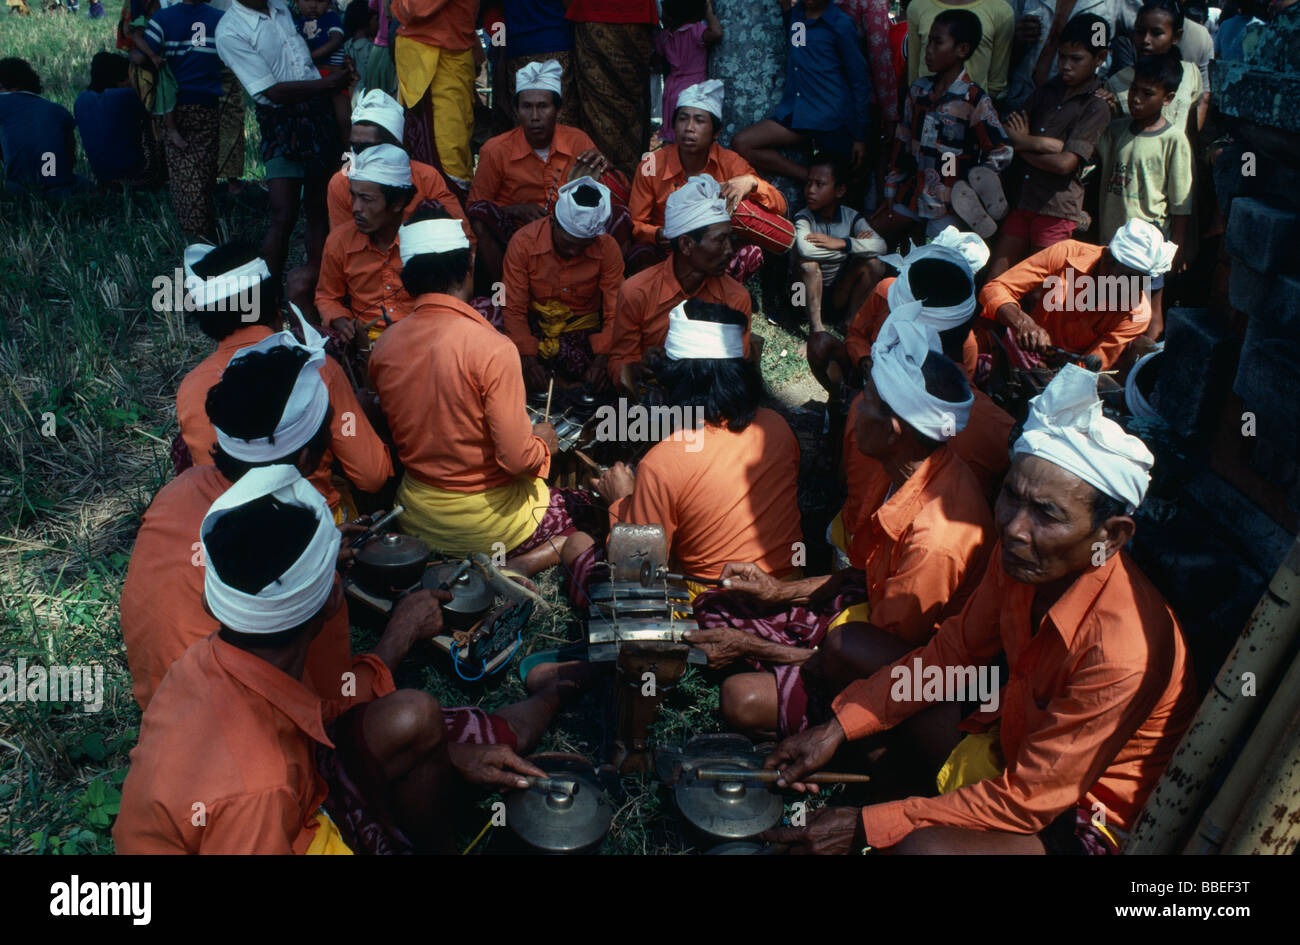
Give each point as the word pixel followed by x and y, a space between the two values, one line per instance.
pixel 851 711
pixel 884 825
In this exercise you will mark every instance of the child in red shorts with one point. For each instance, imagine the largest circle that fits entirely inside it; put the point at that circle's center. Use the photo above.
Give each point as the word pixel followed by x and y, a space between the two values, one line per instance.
pixel 1054 137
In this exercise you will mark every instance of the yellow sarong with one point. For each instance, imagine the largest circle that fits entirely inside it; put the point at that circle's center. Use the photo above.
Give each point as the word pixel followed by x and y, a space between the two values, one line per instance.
pixel 555 319
pixel 459 523
pixel 327 841
pixel 448 76
pixel 978 757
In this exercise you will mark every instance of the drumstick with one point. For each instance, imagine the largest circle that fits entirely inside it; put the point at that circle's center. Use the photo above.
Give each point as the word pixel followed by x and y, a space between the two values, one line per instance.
pixel 770 775
pixel 550 388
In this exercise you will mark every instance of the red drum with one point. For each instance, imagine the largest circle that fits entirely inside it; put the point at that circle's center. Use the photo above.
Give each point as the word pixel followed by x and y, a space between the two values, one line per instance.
pixel 762 227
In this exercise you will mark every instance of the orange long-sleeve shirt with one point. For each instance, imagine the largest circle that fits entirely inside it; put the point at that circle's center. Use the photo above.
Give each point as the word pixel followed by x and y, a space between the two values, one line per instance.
pixel 161 608
pixel 1100 693
pixel 233 739
pixel 725 497
pixel 535 272
pixel 660 173
pixel 452 388
pixel 353 440
pixel 428 183
pixel 359 279
pixel 924 547
pixel 447 24
pixel 866 326
pixel 641 314
pixel 1104 327
pixel 509 171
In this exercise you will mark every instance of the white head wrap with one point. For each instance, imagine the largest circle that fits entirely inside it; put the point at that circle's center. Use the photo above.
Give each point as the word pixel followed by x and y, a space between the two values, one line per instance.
pixel 901 292
pixel 1066 427
pixel 430 236
pixel 1141 246
pixel 689 338
pixel 973 249
pixel 382 109
pixel 581 222
pixel 207 292
pixel 901 348
pixel 384 164
pixel 696 203
pixel 539 75
pixel 706 96
pixel 303 411
pixel 303 589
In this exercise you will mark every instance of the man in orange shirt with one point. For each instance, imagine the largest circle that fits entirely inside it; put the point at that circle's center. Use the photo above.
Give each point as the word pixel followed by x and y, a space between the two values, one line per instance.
pixel 943 273
pixel 361 271
pixel 436 54
pixel 520 172
pixel 162 598
pixel 562 276
pixel 1101 688
pixel 723 484
pixel 363 456
pixel 918 547
pixel 378 119
pixel 452 389
pixel 696 121
pixel 698 225
pixel 236 755
pixel 1095 300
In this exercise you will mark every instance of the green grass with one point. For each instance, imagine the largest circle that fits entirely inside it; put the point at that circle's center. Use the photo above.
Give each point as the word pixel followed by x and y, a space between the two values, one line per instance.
pixel 88 376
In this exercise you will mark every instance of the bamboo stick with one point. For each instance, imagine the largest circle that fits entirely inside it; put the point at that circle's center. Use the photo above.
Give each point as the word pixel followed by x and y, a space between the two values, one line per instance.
pixel 1224 715
pixel 1270 820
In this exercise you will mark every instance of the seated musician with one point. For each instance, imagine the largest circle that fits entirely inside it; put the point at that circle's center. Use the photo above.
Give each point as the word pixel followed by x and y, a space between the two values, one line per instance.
pixel 696 121
pixel 698 227
pixel 237 755
pixel 452 390
pixel 379 119
pixel 360 285
pixel 1094 299
pixel 724 485
pixel 942 274
pixel 919 546
pixel 1100 687
pixel 270 407
pixel 218 283
pixel 519 172
pixel 562 276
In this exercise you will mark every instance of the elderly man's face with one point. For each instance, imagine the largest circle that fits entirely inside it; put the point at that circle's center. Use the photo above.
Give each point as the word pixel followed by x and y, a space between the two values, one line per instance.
pixel 370 210
pixel 1044 515
pixel 537 113
pixel 712 251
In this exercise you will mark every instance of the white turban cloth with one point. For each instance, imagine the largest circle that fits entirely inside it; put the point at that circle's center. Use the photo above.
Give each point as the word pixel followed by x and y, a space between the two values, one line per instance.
pixel 901 348
pixel 205 292
pixel 299 592
pixel 539 75
pixel 304 410
pixel 384 164
pixel 706 96
pixel 973 249
pixel 1066 427
pixel 697 203
pixel 430 236
pixel 902 292
pixel 1141 246
pixel 581 222
pixel 689 338
pixel 380 108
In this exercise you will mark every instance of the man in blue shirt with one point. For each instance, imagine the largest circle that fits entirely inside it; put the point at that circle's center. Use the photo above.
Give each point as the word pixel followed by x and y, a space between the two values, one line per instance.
pixel 827 93
pixel 110 120
pixel 37 138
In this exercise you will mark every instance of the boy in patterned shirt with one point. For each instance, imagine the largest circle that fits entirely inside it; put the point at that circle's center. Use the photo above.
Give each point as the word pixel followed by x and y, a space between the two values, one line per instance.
pixel 949 132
